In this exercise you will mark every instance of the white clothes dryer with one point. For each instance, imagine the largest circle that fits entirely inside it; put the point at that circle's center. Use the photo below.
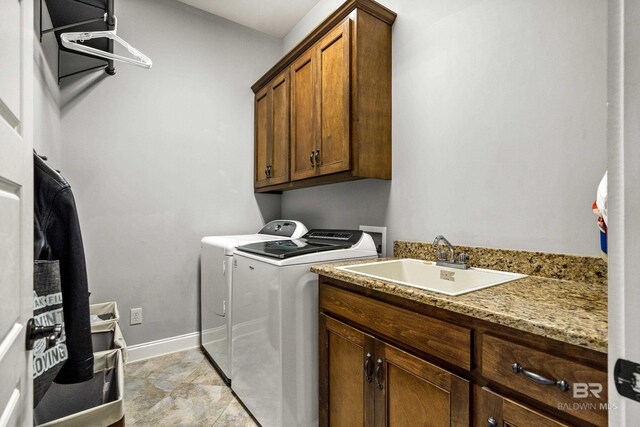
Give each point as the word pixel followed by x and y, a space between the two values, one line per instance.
pixel 215 287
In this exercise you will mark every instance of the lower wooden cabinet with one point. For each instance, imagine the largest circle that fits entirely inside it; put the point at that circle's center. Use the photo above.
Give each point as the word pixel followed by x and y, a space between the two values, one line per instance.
pixel 367 382
pixel 373 352
pixel 493 410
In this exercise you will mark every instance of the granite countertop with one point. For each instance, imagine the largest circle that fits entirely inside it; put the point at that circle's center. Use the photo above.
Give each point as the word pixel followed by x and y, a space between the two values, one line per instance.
pixel 564 310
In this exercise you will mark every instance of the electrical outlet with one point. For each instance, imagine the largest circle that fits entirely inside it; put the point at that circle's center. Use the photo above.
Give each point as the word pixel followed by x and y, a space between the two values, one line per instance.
pixel 136 316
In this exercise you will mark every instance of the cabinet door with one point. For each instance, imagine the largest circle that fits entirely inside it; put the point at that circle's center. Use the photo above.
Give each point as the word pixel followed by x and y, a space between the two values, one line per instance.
pixel 346 375
pixel 411 391
pixel 333 75
pixel 493 410
pixel 279 153
pixel 261 131
pixel 305 120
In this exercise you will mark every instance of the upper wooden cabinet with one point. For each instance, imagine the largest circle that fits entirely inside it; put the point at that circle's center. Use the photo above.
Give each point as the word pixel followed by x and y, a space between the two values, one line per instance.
pixel 339 111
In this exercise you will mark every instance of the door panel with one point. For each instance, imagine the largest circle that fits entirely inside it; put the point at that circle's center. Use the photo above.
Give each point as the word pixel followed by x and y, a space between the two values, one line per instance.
pixel 10 28
pixel 346 395
pixel 334 77
pixel 261 138
pixel 9 255
pixel 280 129
pixel 16 210
pixel 411 391
pixel 304 120
pixel 412 398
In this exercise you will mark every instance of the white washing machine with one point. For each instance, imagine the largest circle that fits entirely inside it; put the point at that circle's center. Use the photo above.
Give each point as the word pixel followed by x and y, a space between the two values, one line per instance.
pixel 275 322
pixel 215 286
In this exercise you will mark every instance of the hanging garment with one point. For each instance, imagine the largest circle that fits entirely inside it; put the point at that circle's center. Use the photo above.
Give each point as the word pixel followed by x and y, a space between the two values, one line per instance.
pixel 58 237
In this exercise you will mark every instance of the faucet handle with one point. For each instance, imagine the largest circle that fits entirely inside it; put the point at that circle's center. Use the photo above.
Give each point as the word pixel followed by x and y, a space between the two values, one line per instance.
pixel 442 256
pixel 463 258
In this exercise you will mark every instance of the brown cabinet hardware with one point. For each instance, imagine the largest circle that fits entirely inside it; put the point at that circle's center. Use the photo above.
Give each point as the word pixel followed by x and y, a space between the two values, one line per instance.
pixel 540 379
pixel 367 368
pixel 378 374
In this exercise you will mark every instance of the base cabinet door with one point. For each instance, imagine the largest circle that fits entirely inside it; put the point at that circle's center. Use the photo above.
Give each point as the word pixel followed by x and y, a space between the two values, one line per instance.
pixel 413 392
pixel 367 382
pixel 346 368
pixel 493 410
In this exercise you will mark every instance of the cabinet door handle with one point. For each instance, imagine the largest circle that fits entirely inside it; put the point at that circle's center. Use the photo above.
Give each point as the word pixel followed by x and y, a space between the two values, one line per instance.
pixel 317 159
pixel 491 422
pixel 311 158
pixel 367 368
pixel 378 374
pixel 562 384
pixel 269 171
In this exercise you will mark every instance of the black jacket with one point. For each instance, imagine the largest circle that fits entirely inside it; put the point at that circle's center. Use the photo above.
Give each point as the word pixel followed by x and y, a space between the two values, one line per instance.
pixel 57 237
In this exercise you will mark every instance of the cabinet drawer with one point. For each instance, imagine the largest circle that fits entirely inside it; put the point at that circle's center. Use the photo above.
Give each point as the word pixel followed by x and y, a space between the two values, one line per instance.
pixel 491 409
pixel 448 342
pixel 585 393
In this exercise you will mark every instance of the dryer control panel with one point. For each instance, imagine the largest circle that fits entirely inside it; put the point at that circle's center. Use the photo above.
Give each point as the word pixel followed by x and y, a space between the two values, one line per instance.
pixel 284 228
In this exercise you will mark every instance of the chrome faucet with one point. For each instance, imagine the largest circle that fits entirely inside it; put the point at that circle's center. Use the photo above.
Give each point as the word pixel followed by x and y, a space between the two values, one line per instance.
pixel 442 255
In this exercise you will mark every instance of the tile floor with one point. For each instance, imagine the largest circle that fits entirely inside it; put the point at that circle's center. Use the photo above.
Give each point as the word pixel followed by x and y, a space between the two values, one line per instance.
pixel 180 389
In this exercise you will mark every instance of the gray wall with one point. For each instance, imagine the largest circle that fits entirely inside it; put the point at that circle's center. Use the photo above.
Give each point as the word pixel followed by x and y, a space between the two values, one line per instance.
pixel 498 132
pixel 47 138
pixel 160 158
pixel 499 126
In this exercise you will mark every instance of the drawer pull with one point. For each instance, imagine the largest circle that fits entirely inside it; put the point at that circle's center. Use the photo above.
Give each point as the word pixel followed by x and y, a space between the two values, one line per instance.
pixel 378 374
pixel 562 384
pixel 367 368
pixel 492 422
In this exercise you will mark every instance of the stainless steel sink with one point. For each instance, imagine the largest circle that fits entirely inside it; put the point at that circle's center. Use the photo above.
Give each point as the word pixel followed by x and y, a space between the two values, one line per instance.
pixel 427 275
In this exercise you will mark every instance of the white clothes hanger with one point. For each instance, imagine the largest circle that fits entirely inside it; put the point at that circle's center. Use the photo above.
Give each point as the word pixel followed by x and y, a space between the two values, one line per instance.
pixel 74 41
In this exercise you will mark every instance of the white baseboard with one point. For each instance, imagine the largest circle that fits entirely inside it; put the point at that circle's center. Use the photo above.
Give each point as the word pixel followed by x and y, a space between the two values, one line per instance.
pixel 164 346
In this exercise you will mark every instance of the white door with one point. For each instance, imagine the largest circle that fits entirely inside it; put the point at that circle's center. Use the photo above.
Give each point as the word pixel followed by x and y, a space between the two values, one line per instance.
pixel 16 210
pixel 624 204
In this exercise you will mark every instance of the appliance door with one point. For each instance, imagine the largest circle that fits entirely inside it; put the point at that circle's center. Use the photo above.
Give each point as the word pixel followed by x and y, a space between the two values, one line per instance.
pixel 215 296
pixel 256 365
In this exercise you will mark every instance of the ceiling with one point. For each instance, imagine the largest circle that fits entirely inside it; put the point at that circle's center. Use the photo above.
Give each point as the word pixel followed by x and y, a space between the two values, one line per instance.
pixel 273 17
